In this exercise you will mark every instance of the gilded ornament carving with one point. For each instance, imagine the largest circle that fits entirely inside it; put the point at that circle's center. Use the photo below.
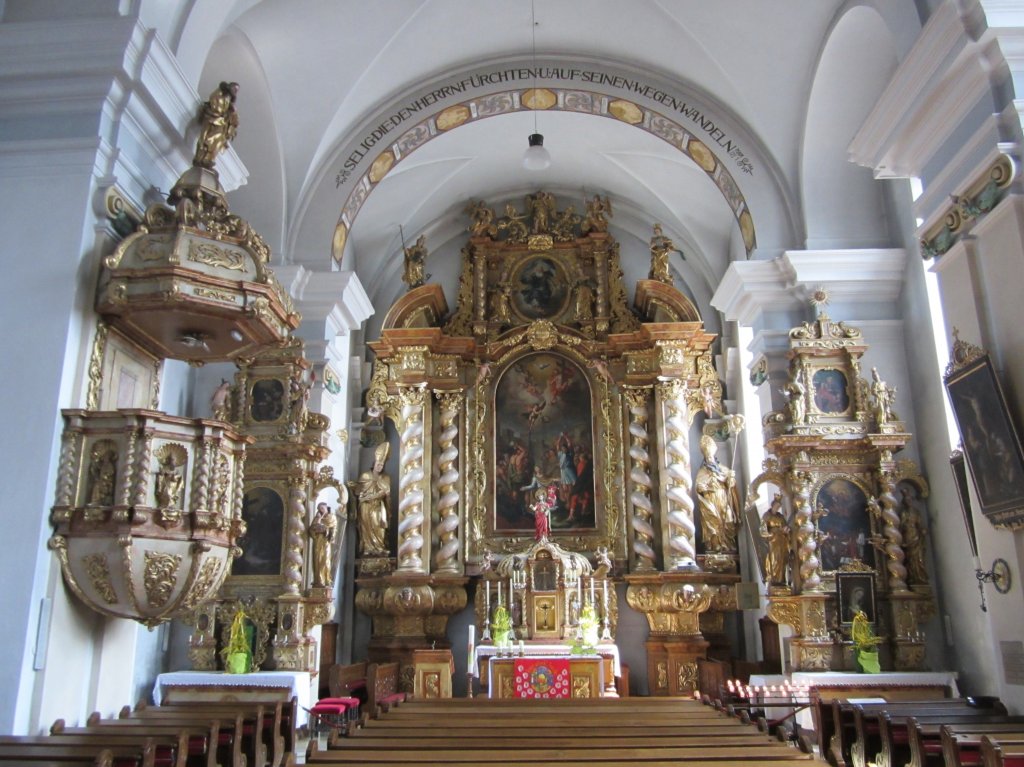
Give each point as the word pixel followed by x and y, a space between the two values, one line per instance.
pixel 687 676
pixel 813 657
pixel 541 334
pixel 206 584
pixel 219 295
pixel 210 255
pixel 786 613
pixel 159 576
pixel 99 346
pixel 662 674
pixel 884 510
pixel 96 567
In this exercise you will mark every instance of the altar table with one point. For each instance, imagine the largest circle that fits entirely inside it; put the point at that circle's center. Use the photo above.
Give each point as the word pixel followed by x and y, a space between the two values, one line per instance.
pixel 585 677
pixel 607 654
pixel 217 686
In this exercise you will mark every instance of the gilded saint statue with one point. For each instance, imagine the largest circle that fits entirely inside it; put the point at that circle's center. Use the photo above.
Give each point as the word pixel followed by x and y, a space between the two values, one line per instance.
pixel 219 122
pixel 322 531
pixel 661 246
pixel 169 483
pixel 884 396
pixel 599 210
pixel 102 475
pixel 795 391
pixel 415 259
pixel 912 530
pixel 373 496
pixel 718 500
pixel 775 531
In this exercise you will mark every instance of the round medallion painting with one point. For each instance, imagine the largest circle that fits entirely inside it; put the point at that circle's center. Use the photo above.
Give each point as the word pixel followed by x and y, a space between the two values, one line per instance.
pixel 539 288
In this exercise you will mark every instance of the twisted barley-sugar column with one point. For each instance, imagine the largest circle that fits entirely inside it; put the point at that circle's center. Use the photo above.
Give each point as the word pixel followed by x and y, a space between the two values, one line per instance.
pixel 807 543
pixel 894 554
pixel 139 479
pixel 447 529
pixel 410 482
pixel 681 529
pixel 640 479
pixel 238 493
pixel 71 443
pixel 294 537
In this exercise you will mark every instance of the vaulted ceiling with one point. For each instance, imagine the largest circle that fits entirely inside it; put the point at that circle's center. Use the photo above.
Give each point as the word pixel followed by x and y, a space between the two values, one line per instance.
pixel 773 90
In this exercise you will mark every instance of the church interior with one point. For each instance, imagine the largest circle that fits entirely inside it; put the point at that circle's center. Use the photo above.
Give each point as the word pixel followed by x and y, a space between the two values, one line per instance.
pixel 635 337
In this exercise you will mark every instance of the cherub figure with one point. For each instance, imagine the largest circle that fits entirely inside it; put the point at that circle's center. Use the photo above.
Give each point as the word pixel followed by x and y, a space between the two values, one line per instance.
pixel 219 401
pixel 482 223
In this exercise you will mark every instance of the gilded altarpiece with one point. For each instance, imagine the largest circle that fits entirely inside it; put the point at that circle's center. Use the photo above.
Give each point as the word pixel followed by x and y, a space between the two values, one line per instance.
pixel 544 385
pixel 843 504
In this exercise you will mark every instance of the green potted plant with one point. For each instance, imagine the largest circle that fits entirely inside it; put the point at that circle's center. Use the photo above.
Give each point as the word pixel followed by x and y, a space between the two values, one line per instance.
pixel 237 656
pixel 865 644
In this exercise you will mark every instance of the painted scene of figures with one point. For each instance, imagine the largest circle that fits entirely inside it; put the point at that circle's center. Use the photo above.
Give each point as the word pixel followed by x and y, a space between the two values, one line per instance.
pixel 830 391
pixel 842 517
pixel 263 512
pixel 543 442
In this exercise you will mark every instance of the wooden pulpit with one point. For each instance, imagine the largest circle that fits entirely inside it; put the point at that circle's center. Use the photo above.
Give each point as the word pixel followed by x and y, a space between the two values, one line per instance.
pixel 433 673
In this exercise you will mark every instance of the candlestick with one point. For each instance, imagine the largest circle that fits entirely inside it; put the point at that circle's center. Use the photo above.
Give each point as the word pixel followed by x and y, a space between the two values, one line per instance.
pixel 579 591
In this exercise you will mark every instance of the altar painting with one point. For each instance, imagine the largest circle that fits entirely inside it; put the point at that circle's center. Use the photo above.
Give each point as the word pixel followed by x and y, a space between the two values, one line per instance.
pixel 543 441
pixel 263 512
pixel 831 394
pixel 845 523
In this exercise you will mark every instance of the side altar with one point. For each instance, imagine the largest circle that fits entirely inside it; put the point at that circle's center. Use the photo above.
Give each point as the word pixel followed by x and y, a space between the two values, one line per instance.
pixel 537 436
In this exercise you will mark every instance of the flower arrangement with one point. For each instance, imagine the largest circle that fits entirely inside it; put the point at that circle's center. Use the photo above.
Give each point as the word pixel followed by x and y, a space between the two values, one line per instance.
pixel 865 643
pixel 502 624
pixel 237 656
pixel 586 640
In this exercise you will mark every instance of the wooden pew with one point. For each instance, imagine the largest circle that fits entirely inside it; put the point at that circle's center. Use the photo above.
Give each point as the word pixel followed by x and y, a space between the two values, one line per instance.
pixel 996 751
pixel 382 687
pixel 32 750
pixel 348 680
pixel 208 741
pixel 883 736
pixel 103 758
pixel 923 736
pixel 564 733
pixel 849 746
pixel 263 723
pixel 961 743
pixel 169 749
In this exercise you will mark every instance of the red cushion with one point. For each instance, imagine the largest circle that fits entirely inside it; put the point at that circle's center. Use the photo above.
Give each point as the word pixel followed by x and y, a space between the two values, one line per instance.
pixel 337 701
pixel 329 708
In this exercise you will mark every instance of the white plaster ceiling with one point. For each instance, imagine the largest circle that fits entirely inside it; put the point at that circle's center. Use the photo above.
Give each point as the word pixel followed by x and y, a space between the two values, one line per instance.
pixel 325 71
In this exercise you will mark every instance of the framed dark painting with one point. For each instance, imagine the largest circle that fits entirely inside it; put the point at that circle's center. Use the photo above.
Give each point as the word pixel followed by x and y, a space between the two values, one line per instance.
pixel 831 393
pixel 263 513
pixel 543 443
pixel 846 523
pixel 540 288
pixel 959 468
pixel 990 441
pixel 855 592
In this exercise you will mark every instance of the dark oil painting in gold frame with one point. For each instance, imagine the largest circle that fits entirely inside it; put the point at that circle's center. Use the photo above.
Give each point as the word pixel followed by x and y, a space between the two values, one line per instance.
pixel 846 524
pixel 990 441
pixel 831 393
pixel 263 513
pixel 540 289
pixel 544 438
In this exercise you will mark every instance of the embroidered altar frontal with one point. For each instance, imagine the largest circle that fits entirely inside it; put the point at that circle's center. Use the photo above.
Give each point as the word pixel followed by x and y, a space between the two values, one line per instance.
pixel 542 678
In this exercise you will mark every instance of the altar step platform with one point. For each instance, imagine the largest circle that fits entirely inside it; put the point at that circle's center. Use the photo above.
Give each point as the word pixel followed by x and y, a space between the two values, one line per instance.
pixel 652 732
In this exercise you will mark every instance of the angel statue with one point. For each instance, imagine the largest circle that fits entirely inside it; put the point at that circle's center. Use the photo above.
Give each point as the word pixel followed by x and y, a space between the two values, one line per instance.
pixel 219 122
pixel 415 258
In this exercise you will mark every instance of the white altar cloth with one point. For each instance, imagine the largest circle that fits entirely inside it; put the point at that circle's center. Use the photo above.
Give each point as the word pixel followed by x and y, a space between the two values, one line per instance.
pixel 485 651
pixel 294 683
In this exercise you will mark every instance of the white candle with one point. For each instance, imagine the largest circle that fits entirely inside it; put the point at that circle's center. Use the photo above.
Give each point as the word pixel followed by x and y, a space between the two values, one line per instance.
pixel 499 593
pixel 579 590
pixel 592 590
pixel 472 642
pixel 488 594
pixel 977 563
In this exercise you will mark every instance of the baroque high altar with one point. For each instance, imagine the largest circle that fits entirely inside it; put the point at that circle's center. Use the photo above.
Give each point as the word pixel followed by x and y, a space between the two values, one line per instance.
pixel 544 424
